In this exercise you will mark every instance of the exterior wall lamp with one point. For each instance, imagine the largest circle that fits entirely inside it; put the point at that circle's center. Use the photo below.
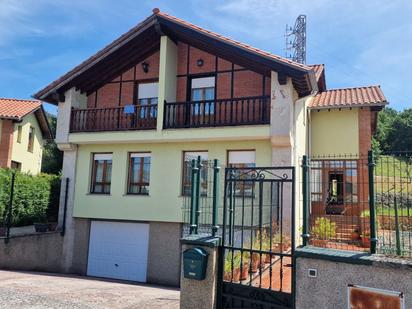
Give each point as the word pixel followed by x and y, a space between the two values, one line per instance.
pixel 145 67
pixel 200 62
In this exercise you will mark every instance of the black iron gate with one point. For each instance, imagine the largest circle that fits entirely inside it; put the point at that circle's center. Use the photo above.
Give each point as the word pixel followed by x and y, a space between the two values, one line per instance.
pixel 258 238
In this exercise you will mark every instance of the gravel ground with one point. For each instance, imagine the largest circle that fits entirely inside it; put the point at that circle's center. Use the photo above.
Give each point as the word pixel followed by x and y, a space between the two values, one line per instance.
pixel 21 290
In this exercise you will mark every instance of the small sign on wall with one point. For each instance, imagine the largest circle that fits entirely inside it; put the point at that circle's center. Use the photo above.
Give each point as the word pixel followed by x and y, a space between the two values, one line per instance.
pixel 129 109
pixel 360 297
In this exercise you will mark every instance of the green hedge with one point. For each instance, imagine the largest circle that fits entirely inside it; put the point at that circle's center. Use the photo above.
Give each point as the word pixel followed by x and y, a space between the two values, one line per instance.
pixel 35 199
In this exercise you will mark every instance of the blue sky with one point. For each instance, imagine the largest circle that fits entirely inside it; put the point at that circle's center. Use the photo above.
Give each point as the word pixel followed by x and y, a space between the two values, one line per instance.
pixel 360 42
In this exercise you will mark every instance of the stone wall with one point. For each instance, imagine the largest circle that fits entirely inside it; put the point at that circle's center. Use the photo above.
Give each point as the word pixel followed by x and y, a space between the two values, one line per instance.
pixel 330 288
pixel 37 252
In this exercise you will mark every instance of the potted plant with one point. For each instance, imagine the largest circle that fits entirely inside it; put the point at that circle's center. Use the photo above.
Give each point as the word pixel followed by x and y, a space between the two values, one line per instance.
pixel 355 235
pixel 232 267
pixel 322 231
pixel 245 266
pixel 258 244
pixel 280 243
pixel 41 225
pixel 266 246
pixel 366 240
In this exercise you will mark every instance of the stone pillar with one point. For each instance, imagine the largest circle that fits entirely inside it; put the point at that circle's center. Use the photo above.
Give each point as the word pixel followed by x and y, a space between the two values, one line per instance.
pixel 200 294
pixel 6 142
pixel 167 77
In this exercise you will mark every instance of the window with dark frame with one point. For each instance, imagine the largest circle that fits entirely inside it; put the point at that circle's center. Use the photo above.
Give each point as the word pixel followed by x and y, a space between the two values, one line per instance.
pixel 19 129
pixel 188 156
pixel 243 160
pixel 139 173
pixel 16 165
pixel 101 173
pixel 30 144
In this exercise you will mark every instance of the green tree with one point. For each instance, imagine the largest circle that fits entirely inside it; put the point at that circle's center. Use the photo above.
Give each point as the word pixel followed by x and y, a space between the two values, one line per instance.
pixel 52 157
pixel 394 131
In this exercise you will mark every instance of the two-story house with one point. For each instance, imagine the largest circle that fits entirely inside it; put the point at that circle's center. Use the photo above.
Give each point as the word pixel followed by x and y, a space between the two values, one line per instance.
pixel 23 130
pixel 168 91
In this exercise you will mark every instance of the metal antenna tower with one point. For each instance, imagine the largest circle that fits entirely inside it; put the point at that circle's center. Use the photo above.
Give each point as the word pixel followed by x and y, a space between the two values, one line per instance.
pixel 296 46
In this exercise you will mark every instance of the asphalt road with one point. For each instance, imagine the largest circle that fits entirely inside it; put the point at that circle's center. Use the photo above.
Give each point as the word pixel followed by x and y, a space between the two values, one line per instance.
pixel 21 290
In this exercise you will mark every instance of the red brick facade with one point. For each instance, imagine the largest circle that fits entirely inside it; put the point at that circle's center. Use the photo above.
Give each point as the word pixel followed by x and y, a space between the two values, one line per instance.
pixel 120 91
pixel 365 130
pixel 6 143
pixel 233 81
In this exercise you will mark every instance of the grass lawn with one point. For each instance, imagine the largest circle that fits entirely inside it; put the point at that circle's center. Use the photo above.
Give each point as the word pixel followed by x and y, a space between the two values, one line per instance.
pixel 385 211
pixel 391 166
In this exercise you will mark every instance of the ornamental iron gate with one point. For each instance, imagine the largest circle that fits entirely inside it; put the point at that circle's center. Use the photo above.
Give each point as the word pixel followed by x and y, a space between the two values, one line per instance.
pixel 258 239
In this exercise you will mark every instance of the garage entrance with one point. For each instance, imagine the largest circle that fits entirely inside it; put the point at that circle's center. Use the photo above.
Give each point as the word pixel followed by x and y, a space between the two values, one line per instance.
pixel 118 250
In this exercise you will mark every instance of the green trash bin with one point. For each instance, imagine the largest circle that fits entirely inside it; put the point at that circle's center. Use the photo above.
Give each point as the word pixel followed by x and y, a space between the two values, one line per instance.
pixel 195 263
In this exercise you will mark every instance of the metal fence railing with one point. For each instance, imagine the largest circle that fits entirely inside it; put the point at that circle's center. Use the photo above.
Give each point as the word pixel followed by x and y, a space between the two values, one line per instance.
pixel 358 203
pixel 202 201
pixel 393 202
pixel 336 202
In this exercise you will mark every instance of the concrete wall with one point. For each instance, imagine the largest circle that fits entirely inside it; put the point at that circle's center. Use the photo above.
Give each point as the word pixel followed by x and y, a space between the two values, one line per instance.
pixel 38 252
pixel 329 289
pixel 164 253
pixel 164 201
pixel 30 161
pixel 334 132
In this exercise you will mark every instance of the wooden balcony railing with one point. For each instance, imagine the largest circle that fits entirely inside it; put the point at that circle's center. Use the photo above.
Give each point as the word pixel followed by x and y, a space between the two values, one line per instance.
pixel 215 113
pixel 113 119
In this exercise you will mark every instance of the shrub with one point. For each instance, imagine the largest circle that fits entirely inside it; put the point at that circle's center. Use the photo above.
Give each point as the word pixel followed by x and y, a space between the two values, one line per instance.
pixel 324 229
pixel 228 261
pixel 34 196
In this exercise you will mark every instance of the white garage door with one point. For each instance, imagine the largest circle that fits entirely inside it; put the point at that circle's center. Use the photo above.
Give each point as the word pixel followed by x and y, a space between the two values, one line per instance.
pixel 118 250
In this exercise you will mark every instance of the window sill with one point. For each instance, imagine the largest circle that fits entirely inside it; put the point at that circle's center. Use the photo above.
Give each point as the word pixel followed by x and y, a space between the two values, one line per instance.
pixel 95 193
pixel 136 194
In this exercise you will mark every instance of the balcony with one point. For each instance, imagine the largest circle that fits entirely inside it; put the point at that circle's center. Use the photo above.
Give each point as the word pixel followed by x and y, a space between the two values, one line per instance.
pixel 113 119
pixel 212 113
pixel 217 113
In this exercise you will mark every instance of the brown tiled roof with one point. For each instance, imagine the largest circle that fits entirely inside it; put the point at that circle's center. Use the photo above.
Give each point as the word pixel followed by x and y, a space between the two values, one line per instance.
pixel 236 43
pixel 16 108
pixel 91 61
pixel 349 97
pixel 318 68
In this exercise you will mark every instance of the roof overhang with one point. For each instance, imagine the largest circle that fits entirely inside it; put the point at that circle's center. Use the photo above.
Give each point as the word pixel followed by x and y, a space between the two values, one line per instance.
pixel 374 106
pixel 144 39
pixel 41 118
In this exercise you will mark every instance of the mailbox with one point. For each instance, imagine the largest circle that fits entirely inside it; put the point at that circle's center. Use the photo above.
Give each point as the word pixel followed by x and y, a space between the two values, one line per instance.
pixel 195 263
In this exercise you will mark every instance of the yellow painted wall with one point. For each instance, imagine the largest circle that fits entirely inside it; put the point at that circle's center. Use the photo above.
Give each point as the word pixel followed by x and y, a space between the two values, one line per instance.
pixel 30 161
pixel 173 135
pixel 334 132
pixel 164 202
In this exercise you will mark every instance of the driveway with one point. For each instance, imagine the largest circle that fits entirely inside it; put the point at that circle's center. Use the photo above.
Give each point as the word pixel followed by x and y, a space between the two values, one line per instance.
pixel 43 290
